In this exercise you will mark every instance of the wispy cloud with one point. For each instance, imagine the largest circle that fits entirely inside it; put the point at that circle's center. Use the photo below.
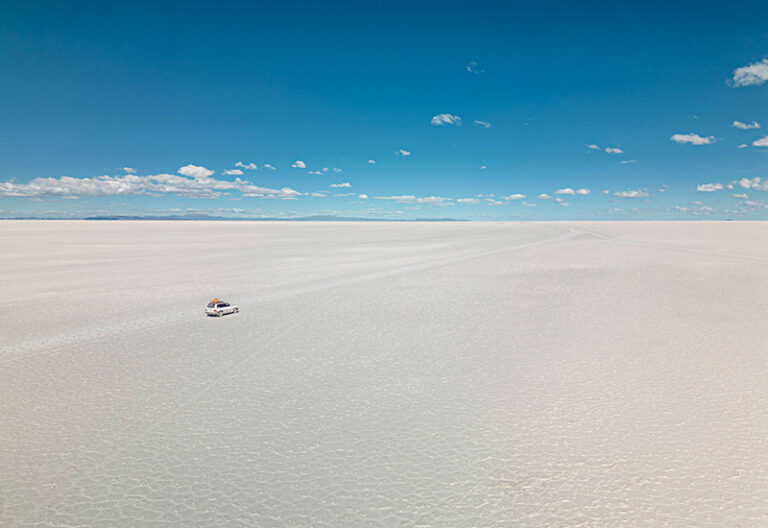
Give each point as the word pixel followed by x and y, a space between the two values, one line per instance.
pixel 625 162
pixel 233 172
pixel 247 166
pixel 516 196
pixel 572 192
pixel 631 193
pixel 372 162
pixel 483 124
pixel 471 201
pixel 743 145
pixel 129 170
pixel 709 187
pixel 402 152
pixel 345 184
pixel 298 164
pixel 751 74
pixel 741 196
pixel 693 139
pixel 746 126
pixel 472 67
pixel 268 166
pixel 410 199
pixel 593 147
pixel 319 195
pixel 613 150
pixel 445 119
pixel 544 196
pixel 362 196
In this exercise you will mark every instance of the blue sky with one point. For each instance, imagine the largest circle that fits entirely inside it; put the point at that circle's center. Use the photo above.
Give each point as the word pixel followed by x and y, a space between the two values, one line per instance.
pixel 147 108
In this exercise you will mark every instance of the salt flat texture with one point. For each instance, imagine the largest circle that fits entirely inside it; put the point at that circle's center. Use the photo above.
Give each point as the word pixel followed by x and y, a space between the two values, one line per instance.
pixel 384 374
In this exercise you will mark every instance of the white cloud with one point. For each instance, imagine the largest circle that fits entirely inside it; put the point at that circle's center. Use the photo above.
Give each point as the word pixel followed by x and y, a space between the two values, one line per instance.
pixel 762 142
pixel 693 139
pixel 233 172
pixel 516 196
pixel 325 169
pixel 593 147
pixel 743 145
pixel 473 68
pixel 631 193
pixel 195 171
pixel 362 196
pixel 446 119
pixel 614 150
pixel 709 187
pixel 131 184
pixel 751 75
pixel 483 167
pixel 316 173
pixel 756 203
pixel 337 170
pixel 472 201
pixel 402 152
pixel 410 199
pixel 372 162
pixel 345 184
pixel 268 166
pixel 318 195
pixel 483 124
pixel 298 164
pixel 624 162
pixel 544 196
pixel 573 192
pixel 129 170
pixel 741 196
pixel 746 126
pixel 755 183
pixel 247 166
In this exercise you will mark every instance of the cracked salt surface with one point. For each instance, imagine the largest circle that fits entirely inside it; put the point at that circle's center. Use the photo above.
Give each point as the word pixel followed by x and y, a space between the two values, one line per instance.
pixel 607 374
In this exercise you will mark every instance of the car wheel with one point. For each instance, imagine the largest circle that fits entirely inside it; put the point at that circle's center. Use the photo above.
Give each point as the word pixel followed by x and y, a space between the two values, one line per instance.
pixel 220 314
pixel 237 310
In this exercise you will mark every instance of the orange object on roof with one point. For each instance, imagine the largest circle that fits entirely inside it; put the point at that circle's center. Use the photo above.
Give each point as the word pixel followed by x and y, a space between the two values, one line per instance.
pixel 216 300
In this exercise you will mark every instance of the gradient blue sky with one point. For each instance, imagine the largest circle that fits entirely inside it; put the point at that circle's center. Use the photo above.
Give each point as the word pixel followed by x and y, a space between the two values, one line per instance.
pixel 181 92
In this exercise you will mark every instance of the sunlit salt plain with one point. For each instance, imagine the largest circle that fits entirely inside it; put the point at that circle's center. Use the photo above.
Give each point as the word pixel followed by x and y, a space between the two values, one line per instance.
pixel 384 374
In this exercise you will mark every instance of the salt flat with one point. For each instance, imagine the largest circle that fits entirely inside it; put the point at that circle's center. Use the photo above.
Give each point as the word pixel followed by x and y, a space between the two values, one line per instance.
pixel 384 374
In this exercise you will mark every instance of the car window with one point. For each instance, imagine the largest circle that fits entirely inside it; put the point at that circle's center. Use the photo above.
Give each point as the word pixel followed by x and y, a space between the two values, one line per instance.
pixel 211 305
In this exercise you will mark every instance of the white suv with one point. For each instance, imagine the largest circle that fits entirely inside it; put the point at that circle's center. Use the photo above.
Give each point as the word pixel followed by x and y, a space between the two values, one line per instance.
pixel 220 308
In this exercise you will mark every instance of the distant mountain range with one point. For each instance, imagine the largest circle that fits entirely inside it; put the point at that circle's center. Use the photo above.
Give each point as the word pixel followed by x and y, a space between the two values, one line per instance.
pixel 199 217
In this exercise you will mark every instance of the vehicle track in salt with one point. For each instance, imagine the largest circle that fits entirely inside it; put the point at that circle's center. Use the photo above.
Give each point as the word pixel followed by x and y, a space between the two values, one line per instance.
pixel 64 341
pixel 724 254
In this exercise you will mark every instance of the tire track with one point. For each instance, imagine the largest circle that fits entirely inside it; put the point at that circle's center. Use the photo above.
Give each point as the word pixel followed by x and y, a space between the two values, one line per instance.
pixel 78 338
pixel 738 256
